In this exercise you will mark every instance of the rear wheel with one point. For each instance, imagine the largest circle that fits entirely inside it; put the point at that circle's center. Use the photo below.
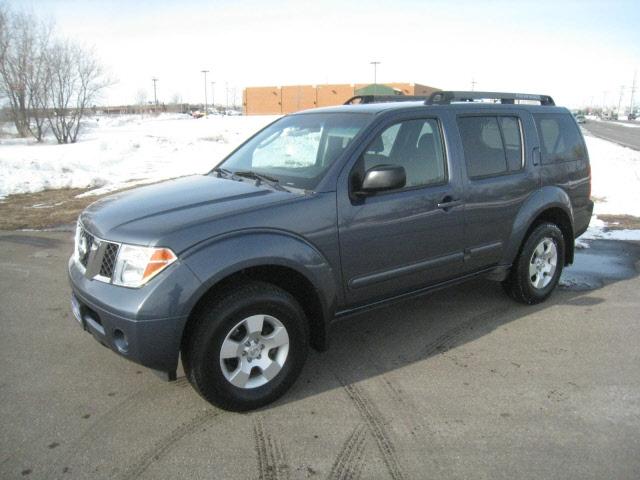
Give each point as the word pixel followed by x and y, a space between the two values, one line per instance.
pixel 247 347
pixel 536 271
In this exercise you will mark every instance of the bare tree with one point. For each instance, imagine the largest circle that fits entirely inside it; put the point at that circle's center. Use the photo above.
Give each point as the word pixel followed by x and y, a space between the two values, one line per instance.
pixel 76 81
pixel 23 43
pixel 17 46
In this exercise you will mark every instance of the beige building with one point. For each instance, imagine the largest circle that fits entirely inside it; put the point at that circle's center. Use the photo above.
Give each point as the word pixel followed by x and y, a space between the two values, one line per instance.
pixel 288 99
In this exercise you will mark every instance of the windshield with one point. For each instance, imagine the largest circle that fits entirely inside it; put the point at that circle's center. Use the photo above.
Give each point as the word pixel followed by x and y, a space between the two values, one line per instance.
pixel 298 149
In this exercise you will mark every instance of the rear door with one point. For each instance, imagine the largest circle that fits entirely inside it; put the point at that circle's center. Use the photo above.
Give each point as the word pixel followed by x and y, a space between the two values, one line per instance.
pixel 405 239
pixel 498 147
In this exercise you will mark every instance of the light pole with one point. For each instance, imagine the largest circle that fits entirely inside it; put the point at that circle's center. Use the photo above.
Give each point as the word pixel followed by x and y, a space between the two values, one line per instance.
pixel 155 97
pixel 205 91
pixel 213 95
pixel 375 76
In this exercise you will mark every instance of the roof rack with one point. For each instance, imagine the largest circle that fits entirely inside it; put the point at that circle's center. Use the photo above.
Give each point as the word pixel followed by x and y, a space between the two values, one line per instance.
pixel 445 98
pixel 359 99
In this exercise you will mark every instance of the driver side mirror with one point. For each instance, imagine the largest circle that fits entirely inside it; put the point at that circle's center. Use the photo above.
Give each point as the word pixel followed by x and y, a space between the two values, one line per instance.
pixel 382 178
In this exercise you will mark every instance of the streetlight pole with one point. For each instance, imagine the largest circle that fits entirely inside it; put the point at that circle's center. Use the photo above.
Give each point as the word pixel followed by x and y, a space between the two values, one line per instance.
pixel 213 95
pixel 205 91
pixel 155 97
pixel 375 76
pixel 633 91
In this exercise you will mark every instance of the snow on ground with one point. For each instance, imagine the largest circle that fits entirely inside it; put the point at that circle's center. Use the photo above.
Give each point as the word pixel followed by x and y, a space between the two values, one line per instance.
pixel 615 174
pixel 123 150
pixel 598 230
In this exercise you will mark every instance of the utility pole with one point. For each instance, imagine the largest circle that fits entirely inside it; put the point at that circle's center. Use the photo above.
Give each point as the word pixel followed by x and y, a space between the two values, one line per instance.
pixel 473 84
pixel 213 95
pixel 205 91
pixel 155 97
pixel 633 91
pixel 375 76
pixel 226 87
pixel 620 98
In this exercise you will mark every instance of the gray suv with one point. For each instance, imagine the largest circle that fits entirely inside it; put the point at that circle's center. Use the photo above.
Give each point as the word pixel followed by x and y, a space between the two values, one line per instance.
pixel 324 214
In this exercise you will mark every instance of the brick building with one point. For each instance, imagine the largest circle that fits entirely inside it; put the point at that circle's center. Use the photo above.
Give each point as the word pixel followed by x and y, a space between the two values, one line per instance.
pixel 280 100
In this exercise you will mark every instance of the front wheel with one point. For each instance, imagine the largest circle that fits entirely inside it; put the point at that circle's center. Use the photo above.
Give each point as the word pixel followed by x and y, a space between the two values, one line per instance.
pixel 247 347
pixel 536 271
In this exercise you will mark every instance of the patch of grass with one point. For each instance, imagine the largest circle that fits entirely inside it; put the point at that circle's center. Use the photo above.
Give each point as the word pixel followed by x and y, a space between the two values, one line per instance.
pixel 621 222
pixel 46 209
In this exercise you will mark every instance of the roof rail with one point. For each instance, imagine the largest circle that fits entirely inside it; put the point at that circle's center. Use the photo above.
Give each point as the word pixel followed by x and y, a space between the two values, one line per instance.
pixel 445 98
pixel 358 99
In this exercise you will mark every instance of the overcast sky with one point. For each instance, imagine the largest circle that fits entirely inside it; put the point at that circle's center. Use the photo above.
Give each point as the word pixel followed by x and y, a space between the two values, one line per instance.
pixel 573 50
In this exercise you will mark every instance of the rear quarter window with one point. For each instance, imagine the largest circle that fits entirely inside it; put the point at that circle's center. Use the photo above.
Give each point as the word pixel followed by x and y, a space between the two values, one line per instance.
pixel 560 140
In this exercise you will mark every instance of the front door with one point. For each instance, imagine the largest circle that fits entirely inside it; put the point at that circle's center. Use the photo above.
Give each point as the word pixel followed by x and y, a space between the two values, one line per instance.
pixel 401 240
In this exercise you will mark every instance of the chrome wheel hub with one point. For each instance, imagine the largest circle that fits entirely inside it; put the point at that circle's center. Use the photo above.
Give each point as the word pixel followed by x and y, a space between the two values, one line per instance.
pixel 254 351
pixel 543 263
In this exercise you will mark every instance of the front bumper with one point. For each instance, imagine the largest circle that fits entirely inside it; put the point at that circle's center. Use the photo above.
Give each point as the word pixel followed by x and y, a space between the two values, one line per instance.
pixel 143 325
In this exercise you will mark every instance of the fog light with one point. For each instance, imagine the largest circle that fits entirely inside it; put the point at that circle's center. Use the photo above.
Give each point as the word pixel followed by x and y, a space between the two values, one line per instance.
pixel 120 341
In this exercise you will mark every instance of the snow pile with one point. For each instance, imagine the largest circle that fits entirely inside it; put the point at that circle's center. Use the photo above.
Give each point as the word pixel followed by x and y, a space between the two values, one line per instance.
pixel 124 150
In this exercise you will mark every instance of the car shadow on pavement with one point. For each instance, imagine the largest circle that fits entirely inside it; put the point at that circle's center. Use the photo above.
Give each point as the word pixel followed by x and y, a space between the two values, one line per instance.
pixel 381 341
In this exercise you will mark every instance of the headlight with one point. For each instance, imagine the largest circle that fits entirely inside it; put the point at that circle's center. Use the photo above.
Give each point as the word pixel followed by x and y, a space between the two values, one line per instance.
pixel 135 266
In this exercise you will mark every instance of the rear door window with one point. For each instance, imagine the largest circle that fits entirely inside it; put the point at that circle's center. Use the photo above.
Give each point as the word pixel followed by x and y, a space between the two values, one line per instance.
pixel 560 139
pixel 492 145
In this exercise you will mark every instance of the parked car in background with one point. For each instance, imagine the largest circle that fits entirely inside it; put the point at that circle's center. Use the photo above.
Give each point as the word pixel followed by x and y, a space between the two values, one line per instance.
pixel 324 214
pixel 581 118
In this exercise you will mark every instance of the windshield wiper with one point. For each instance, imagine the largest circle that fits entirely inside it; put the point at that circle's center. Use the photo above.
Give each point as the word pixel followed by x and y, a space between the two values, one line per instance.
pixel 261 177
pixel 223 171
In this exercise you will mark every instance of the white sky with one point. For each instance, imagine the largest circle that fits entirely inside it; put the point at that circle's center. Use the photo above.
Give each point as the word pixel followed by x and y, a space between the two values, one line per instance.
pixel 572 50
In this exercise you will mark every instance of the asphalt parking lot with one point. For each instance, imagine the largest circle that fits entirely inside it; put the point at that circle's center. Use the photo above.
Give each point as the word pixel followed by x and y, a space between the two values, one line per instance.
pixel 460 384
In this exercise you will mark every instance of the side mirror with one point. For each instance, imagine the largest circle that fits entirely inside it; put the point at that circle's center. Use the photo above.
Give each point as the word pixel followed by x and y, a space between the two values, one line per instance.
pixel 382 178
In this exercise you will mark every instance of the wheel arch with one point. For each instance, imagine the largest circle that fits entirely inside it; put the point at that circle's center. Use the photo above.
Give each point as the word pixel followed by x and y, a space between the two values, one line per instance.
pixel 549 204
pixel 285 261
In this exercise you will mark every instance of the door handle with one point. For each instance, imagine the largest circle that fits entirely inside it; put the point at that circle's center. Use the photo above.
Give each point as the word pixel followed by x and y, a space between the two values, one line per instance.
pixel 448 202
pixel 536 156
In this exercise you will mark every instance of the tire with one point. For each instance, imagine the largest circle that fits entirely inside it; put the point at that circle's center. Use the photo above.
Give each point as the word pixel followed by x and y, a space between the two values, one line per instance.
pixel 533 278
pixel 246 347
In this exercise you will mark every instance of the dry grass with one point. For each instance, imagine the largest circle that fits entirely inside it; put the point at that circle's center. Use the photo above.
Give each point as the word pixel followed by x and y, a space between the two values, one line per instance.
pixel 46 209
pixel 621 222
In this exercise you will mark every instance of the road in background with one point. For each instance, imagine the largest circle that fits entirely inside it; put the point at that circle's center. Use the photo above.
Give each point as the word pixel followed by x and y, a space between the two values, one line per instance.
pixel 463 383
pixel 626 134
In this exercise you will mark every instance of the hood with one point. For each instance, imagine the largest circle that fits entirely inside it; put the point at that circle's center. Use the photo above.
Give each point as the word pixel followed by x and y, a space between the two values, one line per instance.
pixel 147 215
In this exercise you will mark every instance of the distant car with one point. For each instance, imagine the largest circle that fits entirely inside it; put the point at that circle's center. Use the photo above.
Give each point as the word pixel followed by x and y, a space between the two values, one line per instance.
pixel 581 119
pixel 632 116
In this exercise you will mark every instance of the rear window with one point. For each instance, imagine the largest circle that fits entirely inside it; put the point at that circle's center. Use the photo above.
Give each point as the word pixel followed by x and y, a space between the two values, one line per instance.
pixel 560 140
pixel 492 145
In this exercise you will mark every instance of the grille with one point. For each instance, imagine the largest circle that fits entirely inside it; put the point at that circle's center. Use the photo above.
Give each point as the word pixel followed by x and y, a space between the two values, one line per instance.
pixel 87 240
pixel 109 259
